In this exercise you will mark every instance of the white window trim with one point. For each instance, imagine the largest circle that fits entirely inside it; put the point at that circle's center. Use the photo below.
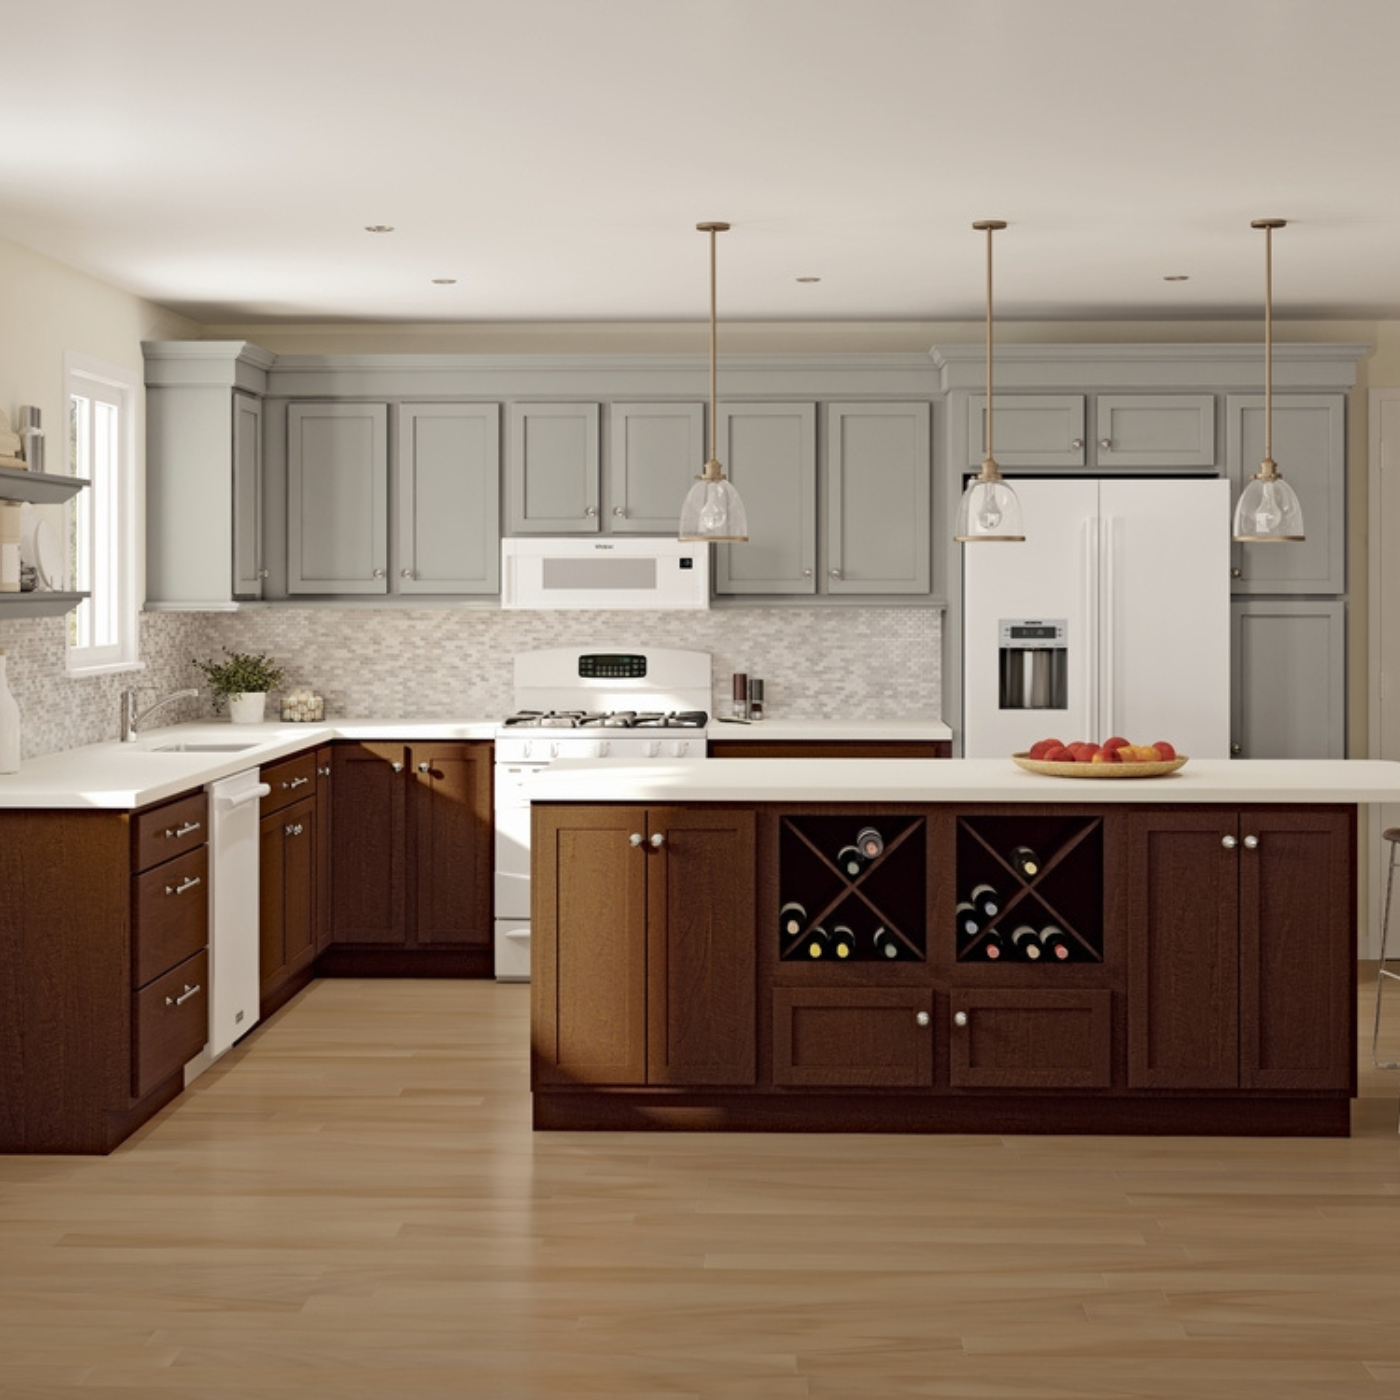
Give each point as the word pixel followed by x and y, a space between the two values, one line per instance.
pixel 84 370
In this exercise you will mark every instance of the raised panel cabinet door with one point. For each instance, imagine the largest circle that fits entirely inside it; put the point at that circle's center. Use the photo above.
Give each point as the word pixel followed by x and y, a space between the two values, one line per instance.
pixel 325 803
pixel 877 471
pixel 1013 1038
pixel 1183 955
pixel 655 452
pixel 337 498
pixel 450 836
pixel 1154 432
pixel 298 883
pixel 247 497
pixel 448 472
pixel 700 946
pixel 272 956
pixel 1298 949
pixel 1288 677
pixel 367 844
pixel 553 480
pixel 588 913
pixel 1029 430
pixel 1310 449
pixel 853 1037
pixel 769 452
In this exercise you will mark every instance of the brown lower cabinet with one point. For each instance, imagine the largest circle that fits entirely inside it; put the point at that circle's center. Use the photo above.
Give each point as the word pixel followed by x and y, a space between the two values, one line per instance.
pixel 742 968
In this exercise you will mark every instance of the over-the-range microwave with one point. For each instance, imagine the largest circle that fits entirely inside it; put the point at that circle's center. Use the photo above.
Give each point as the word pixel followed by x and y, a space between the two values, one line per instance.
pixel 604 572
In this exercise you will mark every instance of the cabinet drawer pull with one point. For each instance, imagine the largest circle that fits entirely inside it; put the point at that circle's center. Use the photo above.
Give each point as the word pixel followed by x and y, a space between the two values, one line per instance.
pixel 186 884
pixel 296 783
pixel 175 833
pixel 184 996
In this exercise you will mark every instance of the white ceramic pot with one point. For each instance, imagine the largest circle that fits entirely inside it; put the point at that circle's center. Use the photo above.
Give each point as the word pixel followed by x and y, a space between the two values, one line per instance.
pixel 248 707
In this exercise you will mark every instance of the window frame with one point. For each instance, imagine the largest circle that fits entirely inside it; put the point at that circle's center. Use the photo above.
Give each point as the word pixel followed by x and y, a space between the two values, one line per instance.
pixel 85 376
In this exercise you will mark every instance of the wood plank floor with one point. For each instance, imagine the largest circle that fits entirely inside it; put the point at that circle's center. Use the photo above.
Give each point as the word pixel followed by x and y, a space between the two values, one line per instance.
pixel 352 1205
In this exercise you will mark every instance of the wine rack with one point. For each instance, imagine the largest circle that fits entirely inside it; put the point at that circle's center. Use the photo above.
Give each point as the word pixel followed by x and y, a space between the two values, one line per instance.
pixel 1049 914
pixel 876 905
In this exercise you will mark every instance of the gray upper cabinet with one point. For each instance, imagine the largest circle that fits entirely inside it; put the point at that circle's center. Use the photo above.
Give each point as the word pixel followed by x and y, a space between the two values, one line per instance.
pixel 769 452
pixel 1030 430
pixel 1288 682
pixel 337 498
pixel 1154 432
pixel 553 479
pixel 204 469
pixel 877 468
pixel 1310 448
pixel 655 452
pixel 448 471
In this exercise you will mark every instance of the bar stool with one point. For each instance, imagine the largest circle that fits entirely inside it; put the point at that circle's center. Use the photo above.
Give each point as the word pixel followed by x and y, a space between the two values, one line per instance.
pixel 1383 973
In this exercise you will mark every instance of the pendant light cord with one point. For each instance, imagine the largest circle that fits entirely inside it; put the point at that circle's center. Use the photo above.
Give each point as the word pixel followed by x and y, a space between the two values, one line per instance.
pixel 714 353
pixel 1268 344
pixel 990 452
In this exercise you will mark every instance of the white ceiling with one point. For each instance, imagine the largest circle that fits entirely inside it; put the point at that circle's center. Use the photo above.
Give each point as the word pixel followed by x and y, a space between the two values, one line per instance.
pixel 554 156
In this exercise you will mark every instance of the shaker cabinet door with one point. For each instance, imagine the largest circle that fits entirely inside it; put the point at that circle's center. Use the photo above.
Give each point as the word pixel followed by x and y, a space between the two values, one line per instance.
pixel 655 452
pixel 553 481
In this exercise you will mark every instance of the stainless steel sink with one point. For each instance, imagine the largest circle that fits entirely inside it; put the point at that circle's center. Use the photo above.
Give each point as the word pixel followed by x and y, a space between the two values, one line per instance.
pixel 200 748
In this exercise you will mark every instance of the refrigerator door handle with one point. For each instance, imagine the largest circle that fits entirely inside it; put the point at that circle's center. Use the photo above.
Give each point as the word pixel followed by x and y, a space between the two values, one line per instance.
pixel 1108 676
pixel 1089 535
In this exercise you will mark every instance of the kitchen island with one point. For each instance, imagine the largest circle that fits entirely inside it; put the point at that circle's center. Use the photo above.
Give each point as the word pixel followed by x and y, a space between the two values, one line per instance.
pixel 766 945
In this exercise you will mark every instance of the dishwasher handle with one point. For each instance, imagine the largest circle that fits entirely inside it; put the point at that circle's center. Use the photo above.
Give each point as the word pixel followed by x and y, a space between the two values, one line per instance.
pixel 249 794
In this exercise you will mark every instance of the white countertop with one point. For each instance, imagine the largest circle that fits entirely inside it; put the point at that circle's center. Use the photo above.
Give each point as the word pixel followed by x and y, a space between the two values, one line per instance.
pixel 831 731
pixel 959 780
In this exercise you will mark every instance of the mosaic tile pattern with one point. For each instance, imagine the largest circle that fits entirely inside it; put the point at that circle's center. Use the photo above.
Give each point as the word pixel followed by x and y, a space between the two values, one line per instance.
pixel 435 663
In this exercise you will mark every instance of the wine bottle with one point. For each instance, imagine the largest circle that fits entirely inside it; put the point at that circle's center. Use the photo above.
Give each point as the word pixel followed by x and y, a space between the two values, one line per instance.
pixel 843 942
pixel 1054 943
pixel 992 945
pixel 869 842
pixel 850 860
pixel 969 920
pixel 818 943
pixel 986 901
pixel 1026 861
pixel 1026 942
pixel 886 944
pixel 792 919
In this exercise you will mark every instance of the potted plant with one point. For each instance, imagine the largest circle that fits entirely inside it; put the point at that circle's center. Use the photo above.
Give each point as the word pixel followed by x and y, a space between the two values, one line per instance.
pixel 243 679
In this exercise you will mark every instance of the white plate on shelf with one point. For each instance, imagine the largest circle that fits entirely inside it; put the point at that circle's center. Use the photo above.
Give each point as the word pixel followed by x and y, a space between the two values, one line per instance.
pixel 38 545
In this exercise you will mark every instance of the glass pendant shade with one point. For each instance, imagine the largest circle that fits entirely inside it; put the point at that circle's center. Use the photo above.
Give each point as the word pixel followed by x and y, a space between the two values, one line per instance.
pixel 712 510
pixel 989 510
pixel 1268 510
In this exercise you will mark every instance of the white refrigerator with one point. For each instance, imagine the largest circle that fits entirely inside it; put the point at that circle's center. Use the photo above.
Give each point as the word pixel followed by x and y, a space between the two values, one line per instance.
pixel 1113 617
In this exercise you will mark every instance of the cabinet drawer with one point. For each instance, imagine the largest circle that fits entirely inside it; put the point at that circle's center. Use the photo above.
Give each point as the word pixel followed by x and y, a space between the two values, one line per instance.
pixel 1029 1039
pixel 169 1023
pixel 290 780
pixel 169 915
pixel 850 1037
pixel 160 833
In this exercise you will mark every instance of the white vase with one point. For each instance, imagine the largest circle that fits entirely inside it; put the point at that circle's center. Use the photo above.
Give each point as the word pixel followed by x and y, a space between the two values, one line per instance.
pixel 9 724
pixel 247 708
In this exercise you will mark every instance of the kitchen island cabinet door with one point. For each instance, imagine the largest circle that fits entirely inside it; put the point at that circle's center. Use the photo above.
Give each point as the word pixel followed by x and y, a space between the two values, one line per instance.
pixel 451 844
pixel 700 946
pixel 1298 949
pixel 1183 956
pixel 589 946
pixel 852 1037
pixel 287 893
pixel 1030 1038
pixel 368 855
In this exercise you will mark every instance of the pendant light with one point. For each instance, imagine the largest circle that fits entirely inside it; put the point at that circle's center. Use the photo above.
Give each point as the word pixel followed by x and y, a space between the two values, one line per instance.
pixel 712 509
pixel 1268 509
pixel 989 509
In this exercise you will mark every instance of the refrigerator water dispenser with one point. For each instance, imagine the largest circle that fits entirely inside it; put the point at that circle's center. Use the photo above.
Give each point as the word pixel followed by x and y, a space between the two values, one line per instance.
pixel 1034 664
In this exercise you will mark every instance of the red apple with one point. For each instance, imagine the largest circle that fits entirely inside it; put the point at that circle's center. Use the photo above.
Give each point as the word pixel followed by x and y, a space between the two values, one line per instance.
pixel 1106 755
pixel 1059 755
pixel 1164 750
pixel 1116 742
pixel 1043 746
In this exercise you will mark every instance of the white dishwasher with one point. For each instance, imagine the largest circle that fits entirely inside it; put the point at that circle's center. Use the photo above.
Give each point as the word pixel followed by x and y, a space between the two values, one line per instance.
pixel 233 907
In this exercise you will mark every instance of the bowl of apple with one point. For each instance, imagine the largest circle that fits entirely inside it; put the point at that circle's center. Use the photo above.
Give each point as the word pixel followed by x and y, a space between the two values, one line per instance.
pixel 1114 758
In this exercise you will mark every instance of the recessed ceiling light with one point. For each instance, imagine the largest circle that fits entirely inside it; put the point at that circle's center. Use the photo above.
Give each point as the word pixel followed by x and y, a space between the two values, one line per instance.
pixel 809 279
pixel 444 281
pixel 379 228
pixel 1176 277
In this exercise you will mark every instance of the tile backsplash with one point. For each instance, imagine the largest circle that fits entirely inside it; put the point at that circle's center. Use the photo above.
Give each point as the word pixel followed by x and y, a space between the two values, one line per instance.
pixel 434 663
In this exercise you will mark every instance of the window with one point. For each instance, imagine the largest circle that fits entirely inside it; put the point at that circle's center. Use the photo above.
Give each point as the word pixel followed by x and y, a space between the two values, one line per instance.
pixel 102 630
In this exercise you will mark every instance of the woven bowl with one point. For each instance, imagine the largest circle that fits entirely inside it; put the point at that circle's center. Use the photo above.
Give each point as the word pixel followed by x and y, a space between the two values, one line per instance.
pixel 1098 770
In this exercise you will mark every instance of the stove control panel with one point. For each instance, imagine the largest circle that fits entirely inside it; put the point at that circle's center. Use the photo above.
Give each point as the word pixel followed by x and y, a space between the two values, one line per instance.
pixel 611 666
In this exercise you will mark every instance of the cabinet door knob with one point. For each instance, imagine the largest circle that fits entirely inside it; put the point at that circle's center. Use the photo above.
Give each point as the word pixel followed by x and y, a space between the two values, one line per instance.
pixel 960 1018
pixel 264 573
pixel 836 573
pixel 378 573
pixel 635 839
pixel 921 1018
pixel 618 510
pixel 806 573
pixel 1236 750
pixel 425 767
pixel 397 767
pixel 1251 843
pixel 405 573
pixel 1076 443
pixel 1229 842
pixel 657 841
pixel 1236 573
pixel 590 510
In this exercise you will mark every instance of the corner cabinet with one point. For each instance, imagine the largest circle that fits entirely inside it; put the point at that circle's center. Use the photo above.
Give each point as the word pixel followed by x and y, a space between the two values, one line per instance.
pixel 643 945
pixel 204 544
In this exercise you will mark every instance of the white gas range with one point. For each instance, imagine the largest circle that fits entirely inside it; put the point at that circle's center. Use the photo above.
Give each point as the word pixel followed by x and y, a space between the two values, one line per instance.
pixel 610 703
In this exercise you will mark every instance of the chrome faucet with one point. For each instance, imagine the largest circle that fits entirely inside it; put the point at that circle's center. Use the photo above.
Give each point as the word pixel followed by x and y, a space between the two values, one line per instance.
pixel 132 720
